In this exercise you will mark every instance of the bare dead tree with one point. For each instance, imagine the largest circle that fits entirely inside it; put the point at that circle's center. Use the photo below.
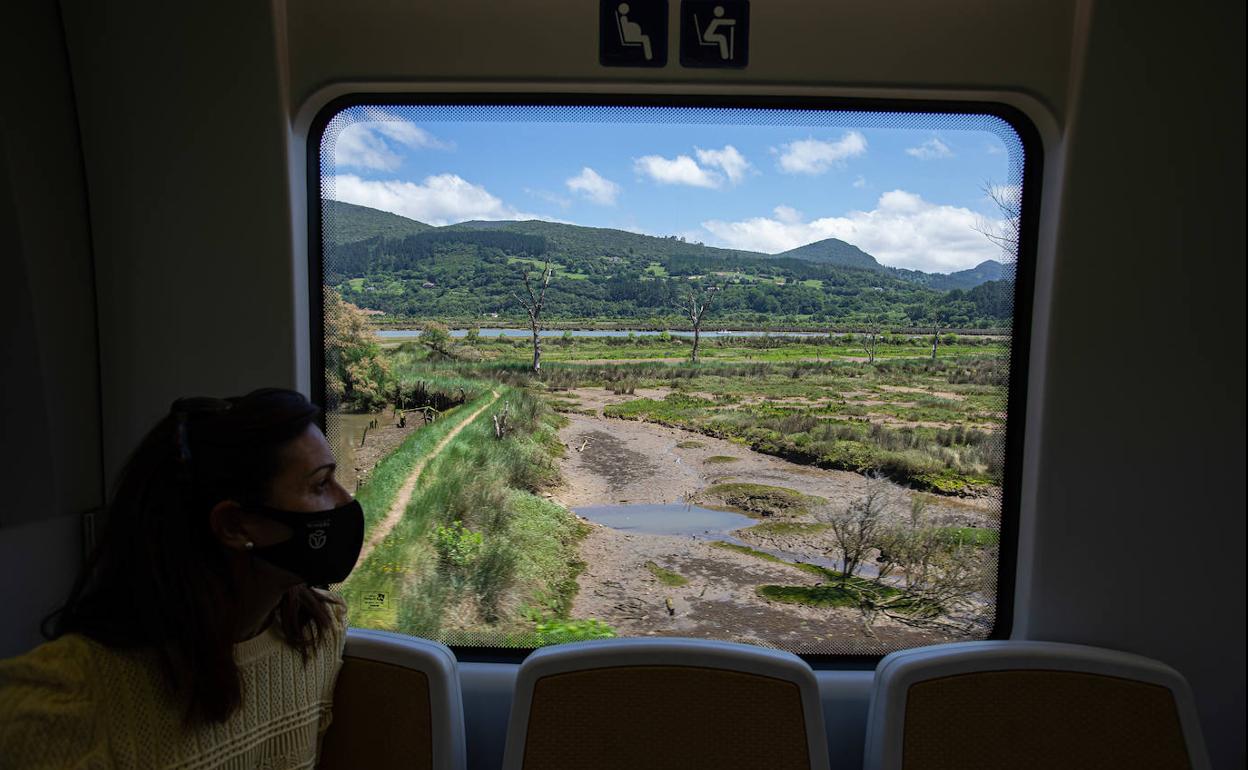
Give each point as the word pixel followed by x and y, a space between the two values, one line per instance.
pixel 935 335
pixel 942 583
pixel 1003 232
pixel 915 544
pixel 857 529
pixel 871 339
pixel 943 597
pixel 500 421
pixel 694 304
pixel 533 305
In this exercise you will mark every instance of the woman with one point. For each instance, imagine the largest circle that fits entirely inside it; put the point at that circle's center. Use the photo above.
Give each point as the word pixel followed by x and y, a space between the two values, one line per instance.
pixel 194 637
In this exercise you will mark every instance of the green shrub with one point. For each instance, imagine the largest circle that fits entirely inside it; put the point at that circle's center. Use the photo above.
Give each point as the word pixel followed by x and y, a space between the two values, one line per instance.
pixel 563 631
pixel 457 546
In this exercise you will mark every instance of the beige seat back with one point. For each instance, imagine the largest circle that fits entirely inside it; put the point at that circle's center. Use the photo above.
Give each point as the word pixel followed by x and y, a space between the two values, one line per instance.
pixel 1029 705
pixel 397 704
pixel 665 703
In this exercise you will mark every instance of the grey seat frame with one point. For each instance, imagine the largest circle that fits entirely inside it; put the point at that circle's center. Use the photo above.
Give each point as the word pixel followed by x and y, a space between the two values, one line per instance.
pixel 616 653
pixel 441 668
pixel 899 670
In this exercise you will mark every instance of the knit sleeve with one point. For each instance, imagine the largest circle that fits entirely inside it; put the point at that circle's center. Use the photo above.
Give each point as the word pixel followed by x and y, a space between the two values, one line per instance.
pixel 47 712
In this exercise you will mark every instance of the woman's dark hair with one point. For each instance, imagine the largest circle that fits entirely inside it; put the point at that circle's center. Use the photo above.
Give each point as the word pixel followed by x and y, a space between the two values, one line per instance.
pixel 159 578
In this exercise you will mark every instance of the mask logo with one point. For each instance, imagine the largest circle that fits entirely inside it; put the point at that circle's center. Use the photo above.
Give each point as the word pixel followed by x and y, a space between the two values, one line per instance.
pixel 312 553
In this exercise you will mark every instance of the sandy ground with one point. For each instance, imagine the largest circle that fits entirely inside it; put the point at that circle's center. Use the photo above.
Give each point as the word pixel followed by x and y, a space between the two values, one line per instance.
pixel 719 602
pixel 611 461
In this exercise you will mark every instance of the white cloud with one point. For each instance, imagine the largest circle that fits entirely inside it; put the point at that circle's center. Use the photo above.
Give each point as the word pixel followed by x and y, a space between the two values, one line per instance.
pixel 438 200
pixel 815 156
pixel 729 160
pixel 378 144
pixel 594 187
pixel 931 150
pixel 860 182
pixel 712 168
pixel 787 214
pixel 679 170
pixel 902 231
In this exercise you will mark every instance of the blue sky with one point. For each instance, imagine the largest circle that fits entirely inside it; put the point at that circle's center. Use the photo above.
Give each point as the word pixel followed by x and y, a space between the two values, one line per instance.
pixel 910 197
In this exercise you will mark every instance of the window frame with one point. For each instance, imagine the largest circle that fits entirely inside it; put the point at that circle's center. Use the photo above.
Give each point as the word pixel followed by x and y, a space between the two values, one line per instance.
pixel 1024 282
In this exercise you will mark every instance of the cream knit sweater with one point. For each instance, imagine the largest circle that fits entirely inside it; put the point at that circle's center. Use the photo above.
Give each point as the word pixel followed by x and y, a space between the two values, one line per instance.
pixel 73 703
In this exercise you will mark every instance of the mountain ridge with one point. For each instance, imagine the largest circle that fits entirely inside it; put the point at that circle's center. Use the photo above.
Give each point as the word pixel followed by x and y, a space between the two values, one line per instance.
pixel 353 220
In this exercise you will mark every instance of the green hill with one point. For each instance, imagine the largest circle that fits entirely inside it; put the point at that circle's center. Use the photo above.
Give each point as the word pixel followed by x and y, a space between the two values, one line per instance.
pixel 833 251
pixel 473 269
pixel 347 222
pixel 988 270
pixel 588 241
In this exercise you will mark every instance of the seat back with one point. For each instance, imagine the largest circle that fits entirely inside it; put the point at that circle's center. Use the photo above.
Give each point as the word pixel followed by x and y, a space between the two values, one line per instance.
pixel 1029 705
pixel 665 703
pixel 397 704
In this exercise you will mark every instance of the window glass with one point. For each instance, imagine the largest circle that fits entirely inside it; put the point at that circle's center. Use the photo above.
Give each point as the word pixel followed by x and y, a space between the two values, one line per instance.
pixel 733 373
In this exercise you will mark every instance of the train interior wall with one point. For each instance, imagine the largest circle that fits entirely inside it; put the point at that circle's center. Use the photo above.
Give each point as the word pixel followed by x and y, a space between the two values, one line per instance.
pixel 139 140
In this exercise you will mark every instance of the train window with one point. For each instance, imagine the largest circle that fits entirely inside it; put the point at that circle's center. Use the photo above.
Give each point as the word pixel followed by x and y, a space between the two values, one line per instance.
pixel 746 371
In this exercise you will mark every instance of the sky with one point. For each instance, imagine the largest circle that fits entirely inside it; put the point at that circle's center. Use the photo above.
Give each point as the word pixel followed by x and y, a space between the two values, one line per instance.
pixel 911 197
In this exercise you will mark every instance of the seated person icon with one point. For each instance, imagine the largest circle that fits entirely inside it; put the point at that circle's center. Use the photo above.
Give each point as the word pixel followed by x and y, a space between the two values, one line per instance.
pixel 712 35
pixel 630 31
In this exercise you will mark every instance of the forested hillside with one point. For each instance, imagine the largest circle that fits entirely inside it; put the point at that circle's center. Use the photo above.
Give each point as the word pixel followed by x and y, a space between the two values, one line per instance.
pixel 474 269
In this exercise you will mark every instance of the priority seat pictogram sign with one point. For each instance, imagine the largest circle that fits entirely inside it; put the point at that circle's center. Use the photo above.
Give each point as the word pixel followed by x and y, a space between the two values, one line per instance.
pixel 714 33
pixel 632 33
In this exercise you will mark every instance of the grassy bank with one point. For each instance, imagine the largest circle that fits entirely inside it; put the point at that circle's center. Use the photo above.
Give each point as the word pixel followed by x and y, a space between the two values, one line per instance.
pixel 377 495
pixel 950 460
pixel 488 562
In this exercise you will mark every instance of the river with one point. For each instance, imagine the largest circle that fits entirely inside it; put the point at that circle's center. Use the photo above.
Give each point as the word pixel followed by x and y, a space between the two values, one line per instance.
pixel 525 333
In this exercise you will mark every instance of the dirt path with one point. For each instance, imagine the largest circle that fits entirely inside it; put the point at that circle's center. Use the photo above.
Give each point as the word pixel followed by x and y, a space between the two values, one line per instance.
pixel 404 496
pixel 613 461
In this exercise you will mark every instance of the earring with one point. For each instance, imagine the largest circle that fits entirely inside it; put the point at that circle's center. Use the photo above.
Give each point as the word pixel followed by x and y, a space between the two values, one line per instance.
pixel 249 545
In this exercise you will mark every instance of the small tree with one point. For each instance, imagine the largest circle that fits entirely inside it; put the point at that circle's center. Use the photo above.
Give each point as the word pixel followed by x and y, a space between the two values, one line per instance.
pixel 534 305
pixel 941 582
pixel 694 303
pixel 858 528
pixel 357 375
pixel 871 339
pixel 1003 232
pixel 934 319
pixel 437 338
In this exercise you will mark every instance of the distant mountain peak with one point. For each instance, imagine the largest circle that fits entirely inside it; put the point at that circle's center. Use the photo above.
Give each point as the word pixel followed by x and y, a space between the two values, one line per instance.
pixel 349 222
pixel 834 251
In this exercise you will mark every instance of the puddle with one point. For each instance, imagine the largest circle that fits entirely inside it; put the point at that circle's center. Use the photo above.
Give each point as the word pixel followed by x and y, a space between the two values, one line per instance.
pixel 684 520
pixel 668 519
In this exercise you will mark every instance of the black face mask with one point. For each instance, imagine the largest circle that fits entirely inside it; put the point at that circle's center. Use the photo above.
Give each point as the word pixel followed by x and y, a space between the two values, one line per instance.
pixel 325 544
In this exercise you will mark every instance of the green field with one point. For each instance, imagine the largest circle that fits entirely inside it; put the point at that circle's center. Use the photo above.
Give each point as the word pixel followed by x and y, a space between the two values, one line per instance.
pixel 496 562
pixel 932 424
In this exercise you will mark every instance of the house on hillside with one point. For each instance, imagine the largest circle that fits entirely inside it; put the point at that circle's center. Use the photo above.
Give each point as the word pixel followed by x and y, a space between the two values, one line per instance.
pixel 428 285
